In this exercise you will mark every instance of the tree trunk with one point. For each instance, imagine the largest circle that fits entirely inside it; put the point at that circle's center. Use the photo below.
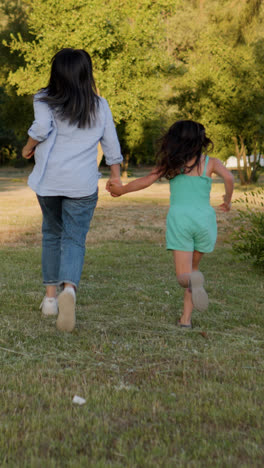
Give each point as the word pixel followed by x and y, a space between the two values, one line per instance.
pixel 201 5
pixel 247 166
pixel 238 156
pixel 125 166
pixel 255 166
pixel 100 154
pixel 255 161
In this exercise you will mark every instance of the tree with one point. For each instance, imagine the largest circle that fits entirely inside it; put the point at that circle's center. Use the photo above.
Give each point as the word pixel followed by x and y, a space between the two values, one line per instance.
pixel 16 112
pixel 221 83
pixel 127 46
pixel 162 60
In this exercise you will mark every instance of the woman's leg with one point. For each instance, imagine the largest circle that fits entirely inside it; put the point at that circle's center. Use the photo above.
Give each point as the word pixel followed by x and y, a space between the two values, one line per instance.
pixel 51 242
pixel 77 214
pixel 51 291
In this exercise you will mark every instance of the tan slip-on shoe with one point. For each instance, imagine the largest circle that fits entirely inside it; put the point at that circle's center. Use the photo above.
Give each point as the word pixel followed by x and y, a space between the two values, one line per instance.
pixel 199 295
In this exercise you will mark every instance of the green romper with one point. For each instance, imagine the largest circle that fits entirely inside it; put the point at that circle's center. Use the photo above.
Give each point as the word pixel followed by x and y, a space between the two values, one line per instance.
pixel 191 220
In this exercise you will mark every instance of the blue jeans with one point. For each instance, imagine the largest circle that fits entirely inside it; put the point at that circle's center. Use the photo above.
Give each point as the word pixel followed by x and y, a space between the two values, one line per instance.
pixel 66 222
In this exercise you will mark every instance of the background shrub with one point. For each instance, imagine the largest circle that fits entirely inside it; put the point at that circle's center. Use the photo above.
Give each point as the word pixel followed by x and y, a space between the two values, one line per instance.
pixel 248 236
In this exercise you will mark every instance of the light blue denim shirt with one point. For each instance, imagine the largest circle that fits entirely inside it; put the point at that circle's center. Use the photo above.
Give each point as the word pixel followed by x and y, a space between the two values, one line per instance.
pixel 66 157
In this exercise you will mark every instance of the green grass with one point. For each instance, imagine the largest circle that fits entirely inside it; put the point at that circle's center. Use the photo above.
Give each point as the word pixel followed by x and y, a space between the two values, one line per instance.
pixel 156 395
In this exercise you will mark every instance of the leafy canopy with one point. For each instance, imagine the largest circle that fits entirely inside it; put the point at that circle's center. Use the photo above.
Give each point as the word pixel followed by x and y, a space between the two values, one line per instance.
pixel 127 45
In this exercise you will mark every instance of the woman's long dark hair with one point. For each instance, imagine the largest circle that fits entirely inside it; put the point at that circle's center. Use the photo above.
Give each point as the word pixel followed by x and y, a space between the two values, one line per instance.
pixel 71 91
pixel 183 141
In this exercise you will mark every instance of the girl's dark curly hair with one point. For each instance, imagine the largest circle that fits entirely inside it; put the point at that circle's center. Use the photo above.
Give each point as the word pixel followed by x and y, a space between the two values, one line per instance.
pixel 184 141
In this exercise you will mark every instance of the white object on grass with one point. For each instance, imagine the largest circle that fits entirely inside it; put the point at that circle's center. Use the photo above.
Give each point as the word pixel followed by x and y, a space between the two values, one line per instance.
pixel 78 400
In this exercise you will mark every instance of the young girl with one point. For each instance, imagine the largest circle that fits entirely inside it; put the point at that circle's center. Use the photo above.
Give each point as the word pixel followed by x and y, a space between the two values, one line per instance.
pixel 191 221
pixel 70 121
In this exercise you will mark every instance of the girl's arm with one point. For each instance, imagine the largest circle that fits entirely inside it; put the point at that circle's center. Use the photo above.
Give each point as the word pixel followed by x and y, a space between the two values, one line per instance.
pixel 219 169
pixel 134 185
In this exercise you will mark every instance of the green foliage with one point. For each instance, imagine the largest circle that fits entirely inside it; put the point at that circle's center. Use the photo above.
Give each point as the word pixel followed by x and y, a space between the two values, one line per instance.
pixel 7 153
pixel 248 237
pixel 16 111
pixel 222 79
pixel 154 62
pixel 126 45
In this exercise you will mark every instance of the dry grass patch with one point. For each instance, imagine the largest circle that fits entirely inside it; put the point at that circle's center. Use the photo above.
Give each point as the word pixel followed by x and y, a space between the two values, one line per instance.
pixel 138 216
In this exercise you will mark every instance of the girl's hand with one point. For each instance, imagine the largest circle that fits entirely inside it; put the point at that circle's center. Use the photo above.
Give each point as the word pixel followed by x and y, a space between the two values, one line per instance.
pixel 226 206
pixel 27 153
pixel 116 181
pixel 115 188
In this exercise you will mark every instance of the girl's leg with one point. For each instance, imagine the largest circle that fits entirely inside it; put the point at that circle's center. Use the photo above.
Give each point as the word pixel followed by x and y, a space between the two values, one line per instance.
pixel 197 257
pixel 183 267
pixel 199 295
pixel 185 264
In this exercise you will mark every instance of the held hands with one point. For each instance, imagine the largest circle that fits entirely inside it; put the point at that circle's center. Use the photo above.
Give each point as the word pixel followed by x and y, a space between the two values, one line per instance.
pixel 114 186
pixel 226 206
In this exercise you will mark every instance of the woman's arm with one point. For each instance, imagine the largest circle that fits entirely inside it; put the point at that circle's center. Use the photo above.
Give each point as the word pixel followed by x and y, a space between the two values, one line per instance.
pixel 43 120
pixel 134 185
pixel 110 146
pixel 114 177
pixel 109 140
pixel 40 128
pixel 219 169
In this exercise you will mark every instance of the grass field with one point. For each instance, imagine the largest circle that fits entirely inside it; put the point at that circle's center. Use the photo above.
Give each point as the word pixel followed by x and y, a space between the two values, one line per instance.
pixel 156 395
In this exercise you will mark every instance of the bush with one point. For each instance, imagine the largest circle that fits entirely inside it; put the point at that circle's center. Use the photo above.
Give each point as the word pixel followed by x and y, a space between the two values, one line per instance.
pixel 248 237
pixel 7 154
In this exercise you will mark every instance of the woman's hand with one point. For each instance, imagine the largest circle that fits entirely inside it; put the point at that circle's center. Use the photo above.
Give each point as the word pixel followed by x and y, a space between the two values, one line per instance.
pixel 27 152
pixel 29 148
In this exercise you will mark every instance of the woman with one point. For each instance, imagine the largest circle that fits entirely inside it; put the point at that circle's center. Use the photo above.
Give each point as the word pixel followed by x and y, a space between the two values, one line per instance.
pixel 70 121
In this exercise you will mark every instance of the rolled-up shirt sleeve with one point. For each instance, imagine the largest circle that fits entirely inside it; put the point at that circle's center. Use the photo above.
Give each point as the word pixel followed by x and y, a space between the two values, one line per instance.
pixel 43 122
pixel 109 141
